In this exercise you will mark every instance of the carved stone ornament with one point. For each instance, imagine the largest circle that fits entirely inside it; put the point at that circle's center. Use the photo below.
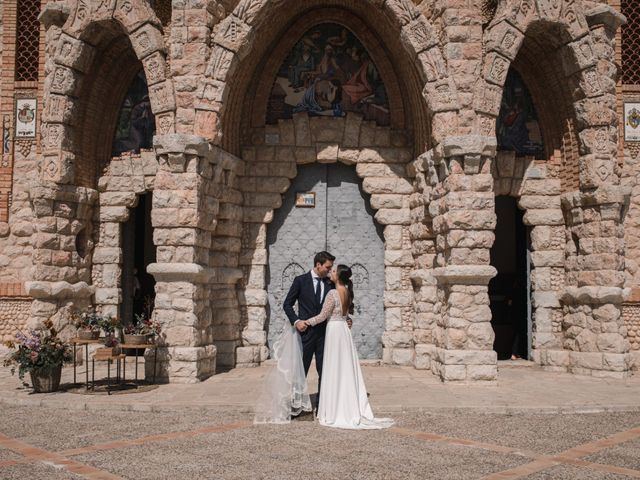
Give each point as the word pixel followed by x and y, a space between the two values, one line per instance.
pixel 63 81
pixel 154 68
pixel 590 83
pixel 165 123
pixel 233 34
pixel 496 69
pixel 550 9
pixel 146 40
pixel 595 171
pixel 487 98
pixel 418 35
pixel 74 53
pixel 402 11
pixel 220 64
pixel 433 64
pixel 162 98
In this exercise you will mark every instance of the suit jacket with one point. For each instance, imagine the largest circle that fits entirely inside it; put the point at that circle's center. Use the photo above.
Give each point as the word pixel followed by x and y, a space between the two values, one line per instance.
pixel 303 291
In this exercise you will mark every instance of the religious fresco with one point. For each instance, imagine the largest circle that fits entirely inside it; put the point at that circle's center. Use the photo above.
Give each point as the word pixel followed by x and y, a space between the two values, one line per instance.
pixel 136 123
pixel 517 128
pixel 328 73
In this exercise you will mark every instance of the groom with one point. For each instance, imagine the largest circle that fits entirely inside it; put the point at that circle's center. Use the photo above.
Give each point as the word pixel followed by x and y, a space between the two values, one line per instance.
pixel 309 290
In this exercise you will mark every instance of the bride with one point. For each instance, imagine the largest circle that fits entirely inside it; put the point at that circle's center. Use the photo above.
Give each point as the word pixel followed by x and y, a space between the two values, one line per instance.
pixel 343 399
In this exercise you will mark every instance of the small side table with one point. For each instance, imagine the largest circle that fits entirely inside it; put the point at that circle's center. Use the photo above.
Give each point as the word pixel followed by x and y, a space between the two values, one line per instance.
pixel 132 346
pixel 79 341
pixel 121 357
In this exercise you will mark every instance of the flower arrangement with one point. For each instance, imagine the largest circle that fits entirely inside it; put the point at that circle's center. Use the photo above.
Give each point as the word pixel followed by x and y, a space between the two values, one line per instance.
pixel 90 323
pixel 111 341
pixel 143 326
pixel 37 350
pixel 87 321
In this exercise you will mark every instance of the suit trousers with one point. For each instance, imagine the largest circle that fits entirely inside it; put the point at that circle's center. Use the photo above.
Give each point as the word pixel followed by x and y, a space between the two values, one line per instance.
pixel 313 343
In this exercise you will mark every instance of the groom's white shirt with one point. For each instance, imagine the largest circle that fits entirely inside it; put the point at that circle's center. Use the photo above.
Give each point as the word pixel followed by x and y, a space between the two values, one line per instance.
pixel 314 275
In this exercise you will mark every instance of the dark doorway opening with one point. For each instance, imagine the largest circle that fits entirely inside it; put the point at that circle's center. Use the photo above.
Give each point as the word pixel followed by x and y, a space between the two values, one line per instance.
pixel 138 251
pixel 509 289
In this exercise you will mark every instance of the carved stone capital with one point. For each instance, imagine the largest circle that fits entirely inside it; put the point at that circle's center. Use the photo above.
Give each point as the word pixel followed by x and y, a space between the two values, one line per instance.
pixel 59 290
pixel 192 272
pixel 465 274
pixel 594 295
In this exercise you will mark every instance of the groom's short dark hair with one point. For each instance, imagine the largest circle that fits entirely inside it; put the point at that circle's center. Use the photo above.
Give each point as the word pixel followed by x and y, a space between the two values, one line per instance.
pixel 322 257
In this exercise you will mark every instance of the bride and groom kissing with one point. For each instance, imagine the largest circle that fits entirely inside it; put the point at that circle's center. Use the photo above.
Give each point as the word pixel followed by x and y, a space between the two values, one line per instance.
pixel 321 327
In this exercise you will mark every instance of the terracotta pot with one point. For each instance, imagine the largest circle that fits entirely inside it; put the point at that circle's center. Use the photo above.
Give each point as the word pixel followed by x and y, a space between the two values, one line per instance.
pixel 45 380
pixel 88 334
pixel 132 339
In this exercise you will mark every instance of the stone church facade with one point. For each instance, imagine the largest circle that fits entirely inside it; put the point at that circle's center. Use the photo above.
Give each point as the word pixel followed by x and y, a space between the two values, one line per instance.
pixel 266 114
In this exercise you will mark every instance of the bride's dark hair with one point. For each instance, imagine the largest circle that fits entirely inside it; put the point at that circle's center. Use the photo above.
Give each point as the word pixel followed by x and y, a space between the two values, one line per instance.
pixel 344 275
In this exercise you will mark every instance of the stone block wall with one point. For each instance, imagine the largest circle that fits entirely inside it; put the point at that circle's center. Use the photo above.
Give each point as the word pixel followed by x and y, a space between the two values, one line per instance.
pixel 631 316
pixel 14 316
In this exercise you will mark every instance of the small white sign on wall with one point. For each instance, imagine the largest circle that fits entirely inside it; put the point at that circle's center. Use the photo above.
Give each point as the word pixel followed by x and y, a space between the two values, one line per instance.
pixel 26 109
pixel 632 122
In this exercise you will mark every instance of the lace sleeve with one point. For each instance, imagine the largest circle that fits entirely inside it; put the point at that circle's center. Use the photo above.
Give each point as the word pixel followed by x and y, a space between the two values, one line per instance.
pixel 326 311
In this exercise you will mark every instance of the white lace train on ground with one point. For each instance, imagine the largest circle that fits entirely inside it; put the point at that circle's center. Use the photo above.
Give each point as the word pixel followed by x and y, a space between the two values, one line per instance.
pixel 284 392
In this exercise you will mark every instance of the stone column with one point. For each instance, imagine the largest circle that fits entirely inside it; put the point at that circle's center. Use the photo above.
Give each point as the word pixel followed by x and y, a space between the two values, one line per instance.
pixel 594 331
pixel 462 209
pixel 183 222
pixel 62 253
pixel 593 327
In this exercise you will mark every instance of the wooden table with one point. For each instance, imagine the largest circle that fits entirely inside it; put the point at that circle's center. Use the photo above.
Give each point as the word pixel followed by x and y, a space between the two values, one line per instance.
pixel 86 342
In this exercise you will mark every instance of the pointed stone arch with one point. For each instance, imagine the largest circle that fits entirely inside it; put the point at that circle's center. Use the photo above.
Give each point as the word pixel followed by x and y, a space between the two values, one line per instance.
pixel 71 58
pixel 579 48
pixel 217 106
pixel 582 36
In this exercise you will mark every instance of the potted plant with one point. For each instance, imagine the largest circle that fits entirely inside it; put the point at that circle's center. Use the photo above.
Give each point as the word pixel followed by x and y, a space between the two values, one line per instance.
pixel 111 347
pixel 141 332
pixel 108 324
pixel 88 325
pixel 41 353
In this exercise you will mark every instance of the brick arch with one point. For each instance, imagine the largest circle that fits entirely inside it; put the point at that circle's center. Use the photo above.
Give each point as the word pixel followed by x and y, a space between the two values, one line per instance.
pixel 398 23
pixel 554 50
pixel 85 45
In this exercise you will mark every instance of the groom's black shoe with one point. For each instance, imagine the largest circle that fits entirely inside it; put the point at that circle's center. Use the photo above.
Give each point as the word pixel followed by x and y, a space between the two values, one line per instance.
pixel 303 417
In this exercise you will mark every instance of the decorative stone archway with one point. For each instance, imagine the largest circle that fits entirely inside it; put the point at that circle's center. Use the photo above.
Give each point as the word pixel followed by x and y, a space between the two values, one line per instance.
pixel 381 157
pixel 594 278
pixel 71 215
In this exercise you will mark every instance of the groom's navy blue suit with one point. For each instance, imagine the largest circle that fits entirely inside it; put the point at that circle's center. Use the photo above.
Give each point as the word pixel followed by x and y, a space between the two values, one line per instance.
pixel 303 291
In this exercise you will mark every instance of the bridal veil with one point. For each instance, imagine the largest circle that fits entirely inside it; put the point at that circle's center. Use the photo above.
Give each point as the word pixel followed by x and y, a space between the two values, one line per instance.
pixel 284 392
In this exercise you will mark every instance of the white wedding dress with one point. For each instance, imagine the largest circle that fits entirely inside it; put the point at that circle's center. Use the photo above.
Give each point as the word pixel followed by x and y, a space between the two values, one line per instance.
pixel 343 399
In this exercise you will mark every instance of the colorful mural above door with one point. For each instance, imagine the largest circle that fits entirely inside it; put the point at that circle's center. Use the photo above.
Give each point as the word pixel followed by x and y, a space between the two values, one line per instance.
pixel 517 127
pixel 136 123
pixel 329 73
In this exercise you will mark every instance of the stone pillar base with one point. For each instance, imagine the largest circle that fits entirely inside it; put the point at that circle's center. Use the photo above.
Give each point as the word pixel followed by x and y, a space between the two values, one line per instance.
pixel 466 365
pixel 425 354
pixel 251 356
pixel 551 360
pixel 398 356
pixel 182 364
pixel 602 365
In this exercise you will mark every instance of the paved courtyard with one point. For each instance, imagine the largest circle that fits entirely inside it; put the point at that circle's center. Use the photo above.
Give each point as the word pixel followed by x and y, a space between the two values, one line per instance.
pixel 532 424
